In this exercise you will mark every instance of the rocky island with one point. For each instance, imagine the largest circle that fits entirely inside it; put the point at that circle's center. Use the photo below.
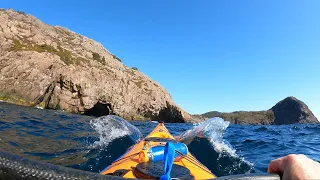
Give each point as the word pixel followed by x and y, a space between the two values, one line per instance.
pixel 288 111
pixel 54 68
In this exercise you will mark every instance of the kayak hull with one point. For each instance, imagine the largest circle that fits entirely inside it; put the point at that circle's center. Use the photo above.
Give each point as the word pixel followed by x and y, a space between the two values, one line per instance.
pixel 125 166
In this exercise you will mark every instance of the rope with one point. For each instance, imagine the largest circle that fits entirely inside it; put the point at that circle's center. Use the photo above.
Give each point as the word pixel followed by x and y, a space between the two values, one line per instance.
pixel 193 161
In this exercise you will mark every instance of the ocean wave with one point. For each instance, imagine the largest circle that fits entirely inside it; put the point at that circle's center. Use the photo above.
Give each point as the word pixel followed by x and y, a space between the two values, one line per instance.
pixel 261 129
pixel 212 129
pixel 215 152
pixel 112 127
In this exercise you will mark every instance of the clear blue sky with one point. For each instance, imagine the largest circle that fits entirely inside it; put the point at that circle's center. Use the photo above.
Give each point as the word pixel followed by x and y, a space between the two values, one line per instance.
pixel 210 55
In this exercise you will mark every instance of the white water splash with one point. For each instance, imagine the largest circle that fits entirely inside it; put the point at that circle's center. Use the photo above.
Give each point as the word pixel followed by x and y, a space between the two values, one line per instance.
pixel 112 127
pixel 222 147
pixel 38 107
pixel 211 129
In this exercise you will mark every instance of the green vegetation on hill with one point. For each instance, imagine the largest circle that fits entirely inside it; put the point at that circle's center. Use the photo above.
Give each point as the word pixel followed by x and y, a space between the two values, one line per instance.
pixel 15 99
pixel 115 57
pixel 21 12
pixel 243 117
pixel 65 55
pixel 98 58
pixel 138 83
pixel 211 114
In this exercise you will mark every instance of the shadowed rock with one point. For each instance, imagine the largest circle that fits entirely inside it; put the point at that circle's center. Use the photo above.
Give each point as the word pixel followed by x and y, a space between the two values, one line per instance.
pixel 170 112
pixel 291 110
pixel 99 109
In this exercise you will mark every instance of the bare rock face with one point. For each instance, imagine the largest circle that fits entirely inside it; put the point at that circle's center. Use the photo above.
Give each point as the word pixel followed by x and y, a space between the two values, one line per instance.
pixel 291 110
pixel 53 67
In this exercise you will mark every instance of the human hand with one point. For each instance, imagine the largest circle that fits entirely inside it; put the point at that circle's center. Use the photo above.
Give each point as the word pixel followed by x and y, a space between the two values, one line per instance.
pixel 295 167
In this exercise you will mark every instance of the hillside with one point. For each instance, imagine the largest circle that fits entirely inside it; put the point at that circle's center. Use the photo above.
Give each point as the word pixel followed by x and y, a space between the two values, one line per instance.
pixel 288 111
pixel 243 117
pixel 55 68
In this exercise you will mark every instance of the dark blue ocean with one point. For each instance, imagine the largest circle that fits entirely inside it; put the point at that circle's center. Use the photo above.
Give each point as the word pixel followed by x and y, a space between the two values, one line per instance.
pixel 91 144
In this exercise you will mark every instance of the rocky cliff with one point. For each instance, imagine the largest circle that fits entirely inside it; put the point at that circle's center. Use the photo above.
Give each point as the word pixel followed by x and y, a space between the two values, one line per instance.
pixel 288 111
pixel 53 67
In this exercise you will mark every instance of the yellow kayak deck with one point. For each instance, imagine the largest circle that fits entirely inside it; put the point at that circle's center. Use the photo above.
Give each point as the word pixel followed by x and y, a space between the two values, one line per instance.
pixel 125 165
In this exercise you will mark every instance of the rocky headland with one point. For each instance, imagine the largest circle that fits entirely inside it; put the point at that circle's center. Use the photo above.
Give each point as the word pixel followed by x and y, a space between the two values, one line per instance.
pixel 288 111
pixel 55 68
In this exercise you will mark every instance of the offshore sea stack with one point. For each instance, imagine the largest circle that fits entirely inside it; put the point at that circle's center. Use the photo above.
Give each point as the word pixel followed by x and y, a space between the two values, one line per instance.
pixel 291 111
pixel 53 67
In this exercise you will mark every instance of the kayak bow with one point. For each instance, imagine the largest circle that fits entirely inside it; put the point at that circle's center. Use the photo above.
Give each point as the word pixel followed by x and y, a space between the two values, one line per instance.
pixel 148 158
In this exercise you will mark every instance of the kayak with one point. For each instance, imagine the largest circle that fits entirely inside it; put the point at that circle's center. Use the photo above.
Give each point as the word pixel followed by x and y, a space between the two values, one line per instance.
pixel 158 156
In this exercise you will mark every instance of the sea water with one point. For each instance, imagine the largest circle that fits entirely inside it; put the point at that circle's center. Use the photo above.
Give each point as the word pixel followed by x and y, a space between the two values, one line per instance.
pixel 91 144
